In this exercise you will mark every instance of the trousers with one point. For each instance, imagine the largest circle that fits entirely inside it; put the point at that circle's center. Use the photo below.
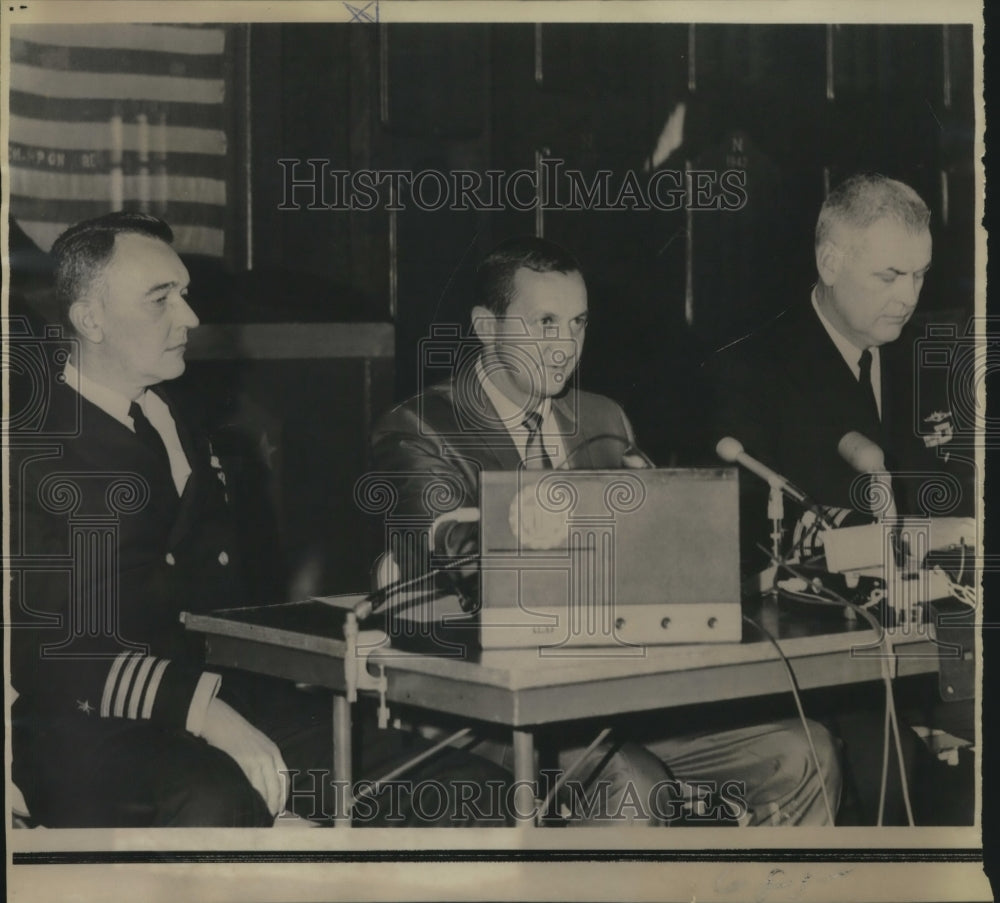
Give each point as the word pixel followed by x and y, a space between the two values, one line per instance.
pixel 86 771
pixel 760 774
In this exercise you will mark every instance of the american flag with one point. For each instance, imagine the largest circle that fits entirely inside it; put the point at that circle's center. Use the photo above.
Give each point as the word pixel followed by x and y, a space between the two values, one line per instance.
pixel 124 116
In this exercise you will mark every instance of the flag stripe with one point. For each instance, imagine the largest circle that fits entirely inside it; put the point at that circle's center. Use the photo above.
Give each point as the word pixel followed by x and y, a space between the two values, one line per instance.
pixel 38 106
pixel 95 186
pixel 169 38
pixel 71 211
pixel 115 59
pixel 47 159
pixel 97 136
pixel 188 239
pixel 117 86
pixel 86 100
pixel 198 239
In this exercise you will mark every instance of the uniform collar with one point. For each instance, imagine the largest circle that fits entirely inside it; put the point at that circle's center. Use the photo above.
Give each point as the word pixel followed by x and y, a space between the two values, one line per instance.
pixel 848 350
pixel 108 400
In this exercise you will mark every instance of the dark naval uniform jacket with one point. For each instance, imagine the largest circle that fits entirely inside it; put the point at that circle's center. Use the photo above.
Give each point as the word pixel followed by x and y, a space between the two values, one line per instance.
pixel 107 556
pixel 787 394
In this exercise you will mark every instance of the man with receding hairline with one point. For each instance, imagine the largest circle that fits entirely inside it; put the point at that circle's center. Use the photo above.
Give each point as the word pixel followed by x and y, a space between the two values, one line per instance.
pixel 835 363
pixel 831 364
pixel 118 723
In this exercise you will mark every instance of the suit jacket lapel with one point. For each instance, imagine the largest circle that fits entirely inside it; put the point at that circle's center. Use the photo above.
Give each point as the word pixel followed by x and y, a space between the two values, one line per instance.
pixel 483 433
pixel 116 445
pixel 190 502
pixel 843 394
pixel 898 411
pixel 575 436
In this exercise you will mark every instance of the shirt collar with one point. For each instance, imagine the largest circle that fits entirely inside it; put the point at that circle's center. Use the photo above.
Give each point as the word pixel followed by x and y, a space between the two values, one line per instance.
pixel 848 350
pixel 108 400
pixel 511 414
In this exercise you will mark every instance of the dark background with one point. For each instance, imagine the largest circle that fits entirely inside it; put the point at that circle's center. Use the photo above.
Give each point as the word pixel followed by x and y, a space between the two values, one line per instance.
pixel 467 97
pixel 479 97
pixel 796 107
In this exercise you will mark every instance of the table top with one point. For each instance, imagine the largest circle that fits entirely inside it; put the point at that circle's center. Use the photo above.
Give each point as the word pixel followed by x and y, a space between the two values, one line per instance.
pixel 304 641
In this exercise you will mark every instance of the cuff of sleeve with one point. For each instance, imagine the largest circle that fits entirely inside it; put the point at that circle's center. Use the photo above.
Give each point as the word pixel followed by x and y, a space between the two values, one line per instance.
pixel 204 693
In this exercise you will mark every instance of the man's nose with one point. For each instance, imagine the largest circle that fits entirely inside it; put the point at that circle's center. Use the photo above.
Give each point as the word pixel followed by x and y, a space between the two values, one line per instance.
pixel 908 292
pixel 186 316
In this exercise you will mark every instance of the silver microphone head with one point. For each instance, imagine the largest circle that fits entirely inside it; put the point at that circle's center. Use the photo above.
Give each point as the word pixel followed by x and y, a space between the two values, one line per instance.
pixel 861 453
pixel 729 449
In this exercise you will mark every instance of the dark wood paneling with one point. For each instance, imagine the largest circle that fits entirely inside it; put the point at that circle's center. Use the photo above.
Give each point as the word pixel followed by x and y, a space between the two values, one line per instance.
pixel 798 106
pixel 311 94
pixel 293 432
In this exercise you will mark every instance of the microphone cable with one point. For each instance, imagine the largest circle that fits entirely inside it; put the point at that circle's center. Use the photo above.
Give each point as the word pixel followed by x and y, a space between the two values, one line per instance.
pixel 629 445
pixel 375 601
pixel 891 718
pixel 567 773
pixel 802 715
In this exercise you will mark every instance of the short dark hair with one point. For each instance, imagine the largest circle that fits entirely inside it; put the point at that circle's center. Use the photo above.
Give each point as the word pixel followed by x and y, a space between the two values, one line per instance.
pixel 495 275
pixel 867 198
pixel 80 254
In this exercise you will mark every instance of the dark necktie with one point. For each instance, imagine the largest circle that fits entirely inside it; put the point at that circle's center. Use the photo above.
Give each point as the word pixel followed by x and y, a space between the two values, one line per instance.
pixel 865 381
pixel 535 456
pixel 148 435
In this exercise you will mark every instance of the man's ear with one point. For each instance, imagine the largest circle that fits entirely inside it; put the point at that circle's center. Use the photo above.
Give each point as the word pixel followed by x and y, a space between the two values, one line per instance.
pixel 829 258
pixel 86 320
pixel 485 325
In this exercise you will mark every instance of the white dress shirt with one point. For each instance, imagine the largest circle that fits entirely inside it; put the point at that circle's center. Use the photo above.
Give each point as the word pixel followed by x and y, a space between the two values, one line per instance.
pixel 155 408
pixel 512 416
pixel 851 355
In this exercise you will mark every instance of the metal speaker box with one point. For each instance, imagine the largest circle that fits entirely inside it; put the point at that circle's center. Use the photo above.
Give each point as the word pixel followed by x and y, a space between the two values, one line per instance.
pixel 616 558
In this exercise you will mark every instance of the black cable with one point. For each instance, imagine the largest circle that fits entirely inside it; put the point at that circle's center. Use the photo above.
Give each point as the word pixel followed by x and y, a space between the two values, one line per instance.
pixel 890 698
pixel 374 601
pixel 802 715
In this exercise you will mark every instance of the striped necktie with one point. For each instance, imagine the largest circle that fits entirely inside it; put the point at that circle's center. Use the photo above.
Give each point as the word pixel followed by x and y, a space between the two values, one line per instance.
pixel 535 456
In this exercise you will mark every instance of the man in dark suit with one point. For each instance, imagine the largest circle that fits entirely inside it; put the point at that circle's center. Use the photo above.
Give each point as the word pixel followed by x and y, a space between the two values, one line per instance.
pixel 510 405
pixel 832 365
pixel 125 515
pixel 838 363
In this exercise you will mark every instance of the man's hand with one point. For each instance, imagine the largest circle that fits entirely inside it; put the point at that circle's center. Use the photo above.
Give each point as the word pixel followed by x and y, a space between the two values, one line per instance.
pixel 635 460
pixel 253 751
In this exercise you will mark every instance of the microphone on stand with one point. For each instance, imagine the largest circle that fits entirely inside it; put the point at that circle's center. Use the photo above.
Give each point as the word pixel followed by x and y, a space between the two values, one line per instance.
pixel 861 453
pixel 731 450
pixel 866 457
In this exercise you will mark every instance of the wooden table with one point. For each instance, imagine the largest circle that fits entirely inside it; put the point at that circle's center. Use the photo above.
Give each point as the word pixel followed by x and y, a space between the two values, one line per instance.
pixel 524 690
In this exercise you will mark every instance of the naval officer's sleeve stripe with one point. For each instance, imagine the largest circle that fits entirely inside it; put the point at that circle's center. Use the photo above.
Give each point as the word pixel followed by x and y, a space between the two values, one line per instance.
pixel 121 693
pixel 110 682
pixel 138 685
pixel 153 686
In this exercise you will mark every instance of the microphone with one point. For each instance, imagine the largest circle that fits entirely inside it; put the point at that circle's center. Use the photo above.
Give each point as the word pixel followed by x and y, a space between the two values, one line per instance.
pixel 866 457
pixel 731 451
pixel 861 453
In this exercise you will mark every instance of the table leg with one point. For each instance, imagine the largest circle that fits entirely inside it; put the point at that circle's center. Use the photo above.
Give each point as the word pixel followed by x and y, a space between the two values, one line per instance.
pixel 342 759
pixel 524 778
